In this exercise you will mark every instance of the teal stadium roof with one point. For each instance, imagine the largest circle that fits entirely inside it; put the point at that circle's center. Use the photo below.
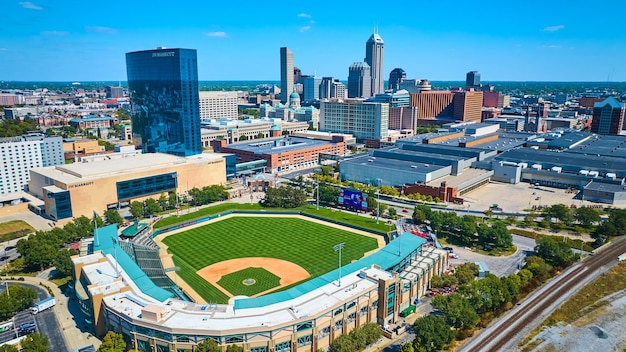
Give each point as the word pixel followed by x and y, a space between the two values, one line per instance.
pixel 106 240
pixel 386 258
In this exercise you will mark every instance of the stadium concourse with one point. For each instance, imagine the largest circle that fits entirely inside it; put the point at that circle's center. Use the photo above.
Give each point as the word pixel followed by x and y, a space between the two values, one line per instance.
pixel 117 295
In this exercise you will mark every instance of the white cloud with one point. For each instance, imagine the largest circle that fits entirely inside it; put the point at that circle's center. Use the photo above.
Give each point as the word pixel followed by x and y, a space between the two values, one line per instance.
pixel 306 15
pixel 30 5
pixel 551 46
pixel 54 33
pixel 216 34
pixel 312 22
pixel 101 29
pixel 305 28
pixel 554 28
pixel 4 49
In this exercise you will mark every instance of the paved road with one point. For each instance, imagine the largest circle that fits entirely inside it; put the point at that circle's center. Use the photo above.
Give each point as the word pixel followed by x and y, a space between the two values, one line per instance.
pixel 46 322
pixel 506 332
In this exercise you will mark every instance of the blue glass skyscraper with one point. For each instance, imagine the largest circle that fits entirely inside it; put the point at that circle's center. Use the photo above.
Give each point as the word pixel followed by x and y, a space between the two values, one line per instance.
pixel 163 86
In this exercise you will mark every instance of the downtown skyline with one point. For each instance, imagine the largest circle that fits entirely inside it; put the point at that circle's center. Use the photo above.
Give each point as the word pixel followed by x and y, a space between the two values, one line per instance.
pixel 49 41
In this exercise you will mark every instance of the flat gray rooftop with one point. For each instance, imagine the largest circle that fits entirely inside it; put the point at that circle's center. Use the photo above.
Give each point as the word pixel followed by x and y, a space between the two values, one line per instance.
pixel 278 145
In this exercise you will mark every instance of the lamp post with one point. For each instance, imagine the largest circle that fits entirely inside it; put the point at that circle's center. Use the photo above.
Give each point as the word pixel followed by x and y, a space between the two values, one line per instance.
pixel 338 248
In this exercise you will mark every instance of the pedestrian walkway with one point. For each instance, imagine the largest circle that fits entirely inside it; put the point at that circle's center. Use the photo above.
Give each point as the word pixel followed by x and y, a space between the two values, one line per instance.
pixel 74 338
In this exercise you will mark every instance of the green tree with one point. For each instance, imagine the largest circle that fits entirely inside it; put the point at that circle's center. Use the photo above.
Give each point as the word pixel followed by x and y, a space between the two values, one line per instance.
pixel 392 212
pixel 8 348
pixel 525 276
pixel 208 345
pixel 234 348
pixel 35 342
pixel 407 347
pixel 466 273
pixel 560 212
pixel 136 209
pixel 529 219
pixel 113 217
pixel 456 310
pixel 343 344
pixel 122 114
pixel 554 251
pixel 537 266
pixel 163 201
pixel 63 263
pixel 284 197
pixel 431 334
pixel 586 216
pixel 243 138
pixel 113 342
pixel 152 206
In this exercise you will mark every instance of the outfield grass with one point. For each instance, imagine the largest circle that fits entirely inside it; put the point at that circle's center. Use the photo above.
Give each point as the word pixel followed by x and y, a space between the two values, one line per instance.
pixel 305 243
pixel 11 230
pixel 233 282
pixel 334 214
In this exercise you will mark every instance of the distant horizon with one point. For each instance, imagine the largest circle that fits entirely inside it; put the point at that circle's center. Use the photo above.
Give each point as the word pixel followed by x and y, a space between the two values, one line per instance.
pixel 278 81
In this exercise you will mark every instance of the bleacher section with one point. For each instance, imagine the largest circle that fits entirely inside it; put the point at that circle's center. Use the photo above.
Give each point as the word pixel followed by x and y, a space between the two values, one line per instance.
pixel 149 261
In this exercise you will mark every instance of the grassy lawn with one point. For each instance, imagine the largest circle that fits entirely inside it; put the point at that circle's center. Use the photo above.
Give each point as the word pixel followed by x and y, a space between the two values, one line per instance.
pixel 307 244
pixel 11 230
pixel 366 222
pixel 264 280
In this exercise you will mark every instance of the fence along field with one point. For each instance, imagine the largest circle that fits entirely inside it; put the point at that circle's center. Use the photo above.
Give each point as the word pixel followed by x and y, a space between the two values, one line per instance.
pixel 305 243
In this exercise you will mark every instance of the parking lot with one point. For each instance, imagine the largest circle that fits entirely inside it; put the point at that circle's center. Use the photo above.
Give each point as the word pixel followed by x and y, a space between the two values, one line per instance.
pixel 44 322
pixel 519 197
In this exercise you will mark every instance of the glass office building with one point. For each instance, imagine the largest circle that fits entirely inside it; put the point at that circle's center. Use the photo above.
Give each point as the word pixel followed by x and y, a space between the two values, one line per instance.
pixel 163 86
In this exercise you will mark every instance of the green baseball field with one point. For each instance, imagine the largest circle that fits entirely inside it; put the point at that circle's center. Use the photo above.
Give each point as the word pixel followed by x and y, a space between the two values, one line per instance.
pixel 306 244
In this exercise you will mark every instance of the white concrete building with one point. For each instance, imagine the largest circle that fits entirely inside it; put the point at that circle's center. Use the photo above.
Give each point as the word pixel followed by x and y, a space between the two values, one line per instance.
pixel 20 154
pixel 216 105
pixel 364 120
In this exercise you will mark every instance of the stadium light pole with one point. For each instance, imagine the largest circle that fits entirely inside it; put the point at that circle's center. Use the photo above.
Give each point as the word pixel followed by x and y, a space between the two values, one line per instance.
pixel 317 204
pixel 338 248
pixel 378 181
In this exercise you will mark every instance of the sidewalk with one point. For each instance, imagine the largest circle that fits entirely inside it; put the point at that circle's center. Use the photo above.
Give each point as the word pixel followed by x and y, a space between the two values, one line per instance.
pixel 74 338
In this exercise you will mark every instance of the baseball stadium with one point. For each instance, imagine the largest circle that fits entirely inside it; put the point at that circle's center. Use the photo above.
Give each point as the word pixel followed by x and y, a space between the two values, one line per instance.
pixel 260 280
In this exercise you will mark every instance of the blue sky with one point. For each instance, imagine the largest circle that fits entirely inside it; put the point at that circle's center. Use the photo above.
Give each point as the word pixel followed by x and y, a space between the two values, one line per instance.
pixel 557 40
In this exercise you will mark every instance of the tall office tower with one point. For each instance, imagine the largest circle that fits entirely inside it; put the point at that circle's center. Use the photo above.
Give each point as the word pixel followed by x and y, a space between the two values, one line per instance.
pixel 163 87
pixel 396 77
pixel 468 106
pixel 331 88
pixel 286 74
pixel 311 87
pixel 364 120
pixel 609 116
pixel 215 105
pixel 359 80
pixel 22 153
pixel 472 79
pixel 114 92
pixel 374 55
pixel 297 75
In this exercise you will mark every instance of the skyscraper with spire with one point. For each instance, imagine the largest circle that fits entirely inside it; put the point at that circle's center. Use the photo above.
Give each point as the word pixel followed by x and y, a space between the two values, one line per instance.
pixel 374 55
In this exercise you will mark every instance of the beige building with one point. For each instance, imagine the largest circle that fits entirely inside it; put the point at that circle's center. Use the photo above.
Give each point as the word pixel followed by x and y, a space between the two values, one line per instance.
pixel 218 104
pixel 81 188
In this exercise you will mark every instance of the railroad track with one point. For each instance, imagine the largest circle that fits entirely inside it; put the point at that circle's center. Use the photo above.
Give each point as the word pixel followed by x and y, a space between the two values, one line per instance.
pixel 508 327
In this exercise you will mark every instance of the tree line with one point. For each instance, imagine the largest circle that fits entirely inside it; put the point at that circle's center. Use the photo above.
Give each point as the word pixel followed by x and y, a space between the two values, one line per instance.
pixel 475 304
pixel 465 230
pixel 196 197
